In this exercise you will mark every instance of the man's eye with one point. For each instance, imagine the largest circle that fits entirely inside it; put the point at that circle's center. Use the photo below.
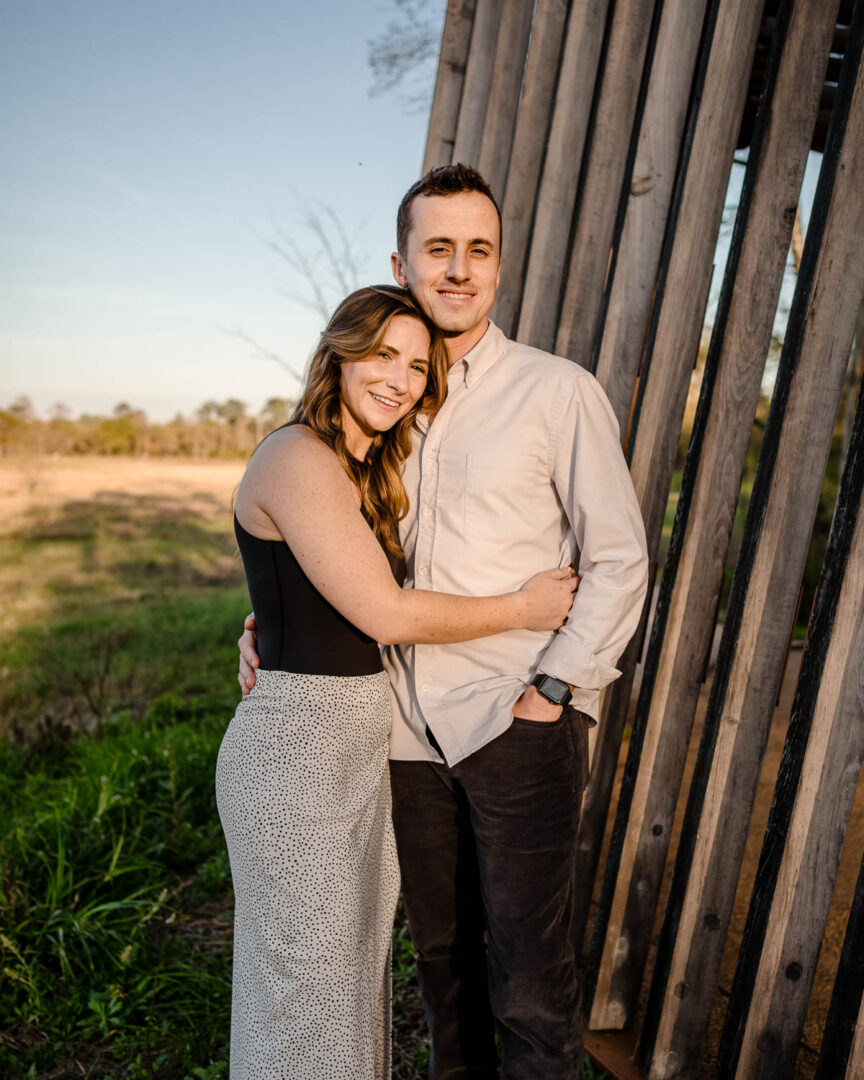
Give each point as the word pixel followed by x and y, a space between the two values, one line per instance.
pixel 437 251
pixel 480 251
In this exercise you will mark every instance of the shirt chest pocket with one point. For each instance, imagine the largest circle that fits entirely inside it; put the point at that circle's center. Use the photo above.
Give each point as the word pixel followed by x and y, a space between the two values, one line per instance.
pixel 500 489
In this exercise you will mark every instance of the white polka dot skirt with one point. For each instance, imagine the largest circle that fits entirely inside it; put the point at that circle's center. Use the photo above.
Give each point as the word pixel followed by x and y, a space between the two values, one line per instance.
pixel 304 798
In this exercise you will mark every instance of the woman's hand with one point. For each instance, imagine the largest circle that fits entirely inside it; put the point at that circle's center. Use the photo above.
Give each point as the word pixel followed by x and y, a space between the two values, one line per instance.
pixel 548 597
pixel 249 661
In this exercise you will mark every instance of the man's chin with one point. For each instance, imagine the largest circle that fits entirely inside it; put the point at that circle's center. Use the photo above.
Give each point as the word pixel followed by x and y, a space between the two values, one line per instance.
pixel 453 324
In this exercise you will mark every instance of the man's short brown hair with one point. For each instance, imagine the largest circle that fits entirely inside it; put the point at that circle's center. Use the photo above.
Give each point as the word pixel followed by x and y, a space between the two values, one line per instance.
pixel 445 180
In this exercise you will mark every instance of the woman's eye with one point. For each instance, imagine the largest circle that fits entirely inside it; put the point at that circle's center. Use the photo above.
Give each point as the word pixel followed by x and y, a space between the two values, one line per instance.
pixel 385 355
pixel 419 367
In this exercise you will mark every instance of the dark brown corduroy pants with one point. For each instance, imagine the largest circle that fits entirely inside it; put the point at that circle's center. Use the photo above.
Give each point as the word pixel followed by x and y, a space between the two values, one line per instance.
pixel 487 851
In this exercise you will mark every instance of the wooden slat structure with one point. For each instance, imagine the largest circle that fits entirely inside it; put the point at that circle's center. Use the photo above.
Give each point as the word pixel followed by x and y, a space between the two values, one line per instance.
pixel 608 130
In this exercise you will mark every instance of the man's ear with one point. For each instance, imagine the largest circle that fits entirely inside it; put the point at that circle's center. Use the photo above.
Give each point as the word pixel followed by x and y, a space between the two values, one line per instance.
pixel 398 270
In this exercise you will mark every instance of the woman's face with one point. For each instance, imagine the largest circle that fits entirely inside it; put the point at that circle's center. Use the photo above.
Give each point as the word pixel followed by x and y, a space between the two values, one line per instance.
pixel 378 391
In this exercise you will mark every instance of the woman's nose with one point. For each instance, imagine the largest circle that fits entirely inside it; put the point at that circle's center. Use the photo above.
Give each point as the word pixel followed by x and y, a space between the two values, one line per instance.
pixel 397 377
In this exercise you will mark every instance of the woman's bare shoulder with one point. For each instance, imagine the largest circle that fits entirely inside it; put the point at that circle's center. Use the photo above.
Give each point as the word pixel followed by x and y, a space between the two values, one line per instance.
pixel 297 446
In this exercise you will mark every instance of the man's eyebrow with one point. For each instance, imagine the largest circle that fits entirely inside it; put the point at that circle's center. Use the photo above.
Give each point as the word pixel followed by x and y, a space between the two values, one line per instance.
pixel 448 240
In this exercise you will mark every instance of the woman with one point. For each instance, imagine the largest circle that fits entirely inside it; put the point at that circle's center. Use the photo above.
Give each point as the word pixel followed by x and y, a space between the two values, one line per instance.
pixel 302 783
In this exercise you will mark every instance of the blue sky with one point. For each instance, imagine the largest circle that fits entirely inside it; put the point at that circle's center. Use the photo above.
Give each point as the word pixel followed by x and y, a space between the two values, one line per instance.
pixel 150 150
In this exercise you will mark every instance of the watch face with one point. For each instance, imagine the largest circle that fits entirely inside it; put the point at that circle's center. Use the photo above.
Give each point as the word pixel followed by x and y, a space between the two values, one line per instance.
pixel 554 690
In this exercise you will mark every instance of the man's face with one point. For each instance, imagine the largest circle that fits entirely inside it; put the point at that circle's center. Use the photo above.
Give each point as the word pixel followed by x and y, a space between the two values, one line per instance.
pixel 452 263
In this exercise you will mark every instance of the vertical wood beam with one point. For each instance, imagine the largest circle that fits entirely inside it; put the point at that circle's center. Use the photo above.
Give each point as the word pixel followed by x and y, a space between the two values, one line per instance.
pixel 842 1053
pixel 693 577
pixel 608 156
pixel 452 60
pixel 819 770
pixel 526 159
pixel 660 134
pixel 627 298
pixel 685 274
pixel 478 82
pixel 764 593
pixel 558 186
pixel 509 67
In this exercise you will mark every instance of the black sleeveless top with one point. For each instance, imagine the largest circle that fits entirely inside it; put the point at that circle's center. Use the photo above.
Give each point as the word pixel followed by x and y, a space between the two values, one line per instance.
pixel 298 630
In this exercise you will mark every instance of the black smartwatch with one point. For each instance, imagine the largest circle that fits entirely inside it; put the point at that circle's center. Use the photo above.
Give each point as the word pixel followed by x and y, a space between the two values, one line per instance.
pixel 555 690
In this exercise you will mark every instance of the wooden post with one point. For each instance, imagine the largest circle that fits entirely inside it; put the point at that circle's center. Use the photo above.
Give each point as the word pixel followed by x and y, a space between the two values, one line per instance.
pixel 526 159
pixel 685 273
pixel 558 186
pixel 452 61
pixel 628 295
pixel 810 811
pixel 513 35
pixel 478 82
pixel 842 1053
pixel 693 578
pixel 761 607
pixel 634 25
pixel 660 135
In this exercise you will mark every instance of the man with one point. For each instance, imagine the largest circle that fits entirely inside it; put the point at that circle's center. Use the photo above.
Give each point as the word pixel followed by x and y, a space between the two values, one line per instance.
pixel 521 469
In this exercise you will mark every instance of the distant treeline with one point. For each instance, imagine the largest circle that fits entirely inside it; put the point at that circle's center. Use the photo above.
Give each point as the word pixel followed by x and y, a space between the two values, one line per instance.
pixel 216 429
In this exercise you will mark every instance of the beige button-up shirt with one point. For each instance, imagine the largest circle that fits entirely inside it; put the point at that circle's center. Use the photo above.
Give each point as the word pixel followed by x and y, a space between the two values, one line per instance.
pixel 520 471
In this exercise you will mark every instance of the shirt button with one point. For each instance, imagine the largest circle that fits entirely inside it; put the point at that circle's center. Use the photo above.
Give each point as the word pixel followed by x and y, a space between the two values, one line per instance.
pixel 427 511
pixel 425 686
pixel 424 570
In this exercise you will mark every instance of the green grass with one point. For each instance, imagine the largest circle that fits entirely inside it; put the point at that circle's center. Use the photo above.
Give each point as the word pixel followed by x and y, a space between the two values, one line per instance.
pixel 115 929
pixel 118 658
pixel 118 663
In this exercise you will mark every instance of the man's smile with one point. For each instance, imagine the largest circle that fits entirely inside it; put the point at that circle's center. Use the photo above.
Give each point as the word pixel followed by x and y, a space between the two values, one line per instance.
pixel 452 294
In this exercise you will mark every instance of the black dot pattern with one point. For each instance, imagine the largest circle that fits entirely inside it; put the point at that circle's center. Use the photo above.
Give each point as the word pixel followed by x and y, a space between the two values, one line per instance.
pixel 304 799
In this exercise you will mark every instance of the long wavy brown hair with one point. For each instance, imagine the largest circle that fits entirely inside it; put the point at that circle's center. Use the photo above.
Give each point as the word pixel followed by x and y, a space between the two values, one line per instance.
pixel 355 332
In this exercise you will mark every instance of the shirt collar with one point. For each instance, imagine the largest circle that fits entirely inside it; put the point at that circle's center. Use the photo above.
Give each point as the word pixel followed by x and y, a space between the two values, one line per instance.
pixel 477 361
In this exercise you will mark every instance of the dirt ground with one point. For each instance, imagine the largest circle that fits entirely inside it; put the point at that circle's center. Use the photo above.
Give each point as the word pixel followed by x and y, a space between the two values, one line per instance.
pixel 43 482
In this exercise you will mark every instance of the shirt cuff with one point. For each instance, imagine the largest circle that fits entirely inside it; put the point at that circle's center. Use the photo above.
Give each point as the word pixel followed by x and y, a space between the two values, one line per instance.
pixel 573 663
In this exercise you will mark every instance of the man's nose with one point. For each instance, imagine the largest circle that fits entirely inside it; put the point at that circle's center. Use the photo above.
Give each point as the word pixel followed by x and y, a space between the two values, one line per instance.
pixel 458 266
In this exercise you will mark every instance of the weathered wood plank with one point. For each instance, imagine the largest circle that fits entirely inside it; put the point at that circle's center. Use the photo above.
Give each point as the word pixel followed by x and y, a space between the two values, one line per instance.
pixel 478 82
pixel 526 159
pixel 684 277
pixel 842 1053
pixel 629 293
pixel 660 130
pixel 821 759
pixel 509 67
pixel 764 592
pixel 608 158
pixel 560 179
pixel 694 573
pixel 452 60
pixel 604 748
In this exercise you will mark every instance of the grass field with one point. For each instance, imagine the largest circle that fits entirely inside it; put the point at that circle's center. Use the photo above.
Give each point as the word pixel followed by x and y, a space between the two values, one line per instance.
pixel 122 599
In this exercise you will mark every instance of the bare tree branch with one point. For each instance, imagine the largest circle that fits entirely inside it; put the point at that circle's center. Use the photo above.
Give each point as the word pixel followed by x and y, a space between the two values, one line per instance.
pixel 407 51
pixel 266 354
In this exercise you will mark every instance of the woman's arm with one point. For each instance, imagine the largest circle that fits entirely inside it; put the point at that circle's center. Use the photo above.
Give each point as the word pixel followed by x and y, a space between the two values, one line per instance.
pixel 299 484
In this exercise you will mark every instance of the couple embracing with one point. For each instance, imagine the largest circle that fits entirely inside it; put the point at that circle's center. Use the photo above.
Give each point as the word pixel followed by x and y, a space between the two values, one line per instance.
pixel 430 495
